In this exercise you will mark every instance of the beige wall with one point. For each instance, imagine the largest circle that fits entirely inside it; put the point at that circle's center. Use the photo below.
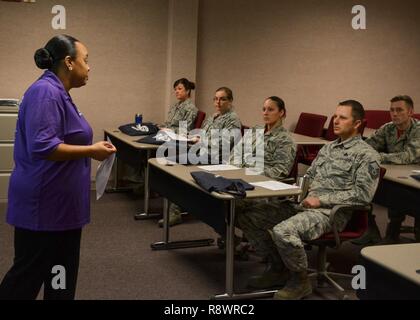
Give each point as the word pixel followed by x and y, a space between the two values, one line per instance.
pixel 182 45
pixel 127 42
pixel 306 52
pixel 137 49
pixel 127 48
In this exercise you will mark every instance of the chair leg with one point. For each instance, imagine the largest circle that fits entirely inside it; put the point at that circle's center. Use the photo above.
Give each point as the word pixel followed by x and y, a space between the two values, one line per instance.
pixel 406 229
pixel 321 267
pixel 333 283
pixel 323 276
pixel 409 230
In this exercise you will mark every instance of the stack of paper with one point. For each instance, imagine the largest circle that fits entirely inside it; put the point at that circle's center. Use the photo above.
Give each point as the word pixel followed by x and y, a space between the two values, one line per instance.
pixel 175 136
pixel 274 185
pixel 219 167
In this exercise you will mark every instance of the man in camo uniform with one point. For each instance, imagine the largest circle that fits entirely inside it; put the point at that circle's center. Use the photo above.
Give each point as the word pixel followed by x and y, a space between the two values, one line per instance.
pixel 345 171
pixel 398 142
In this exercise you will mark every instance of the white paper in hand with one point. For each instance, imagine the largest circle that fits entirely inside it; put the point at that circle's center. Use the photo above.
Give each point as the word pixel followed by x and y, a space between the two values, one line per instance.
pixel 102 175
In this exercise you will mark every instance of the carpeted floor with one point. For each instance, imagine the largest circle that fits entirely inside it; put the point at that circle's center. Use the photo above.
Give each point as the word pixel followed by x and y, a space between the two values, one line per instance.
pixel 117 262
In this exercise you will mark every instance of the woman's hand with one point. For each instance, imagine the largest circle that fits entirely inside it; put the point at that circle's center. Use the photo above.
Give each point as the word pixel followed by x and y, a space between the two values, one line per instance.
pixel 102 150
pixel 98 151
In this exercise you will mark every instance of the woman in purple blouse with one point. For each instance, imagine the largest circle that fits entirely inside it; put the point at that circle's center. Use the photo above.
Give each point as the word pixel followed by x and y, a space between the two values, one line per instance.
pixel 49 190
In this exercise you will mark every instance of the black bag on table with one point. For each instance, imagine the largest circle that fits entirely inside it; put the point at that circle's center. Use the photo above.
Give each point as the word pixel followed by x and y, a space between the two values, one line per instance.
pixel 151 139
pixel 211 182
pixel 131 129
pixel 415 176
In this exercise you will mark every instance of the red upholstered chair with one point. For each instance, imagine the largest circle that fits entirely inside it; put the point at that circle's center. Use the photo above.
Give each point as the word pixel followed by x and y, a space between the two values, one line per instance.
pixel 199 119
pixel 376 118
pixel 329 132
pixel 294 171
pixel 417 116
pixel 354 229
pixel 309 124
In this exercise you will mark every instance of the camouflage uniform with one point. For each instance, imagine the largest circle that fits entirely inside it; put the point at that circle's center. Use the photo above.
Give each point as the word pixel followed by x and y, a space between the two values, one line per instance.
pixel 394 150
pixel 229 120
pixel 343 173
pixel 181 111
pixel 279 157
pixel 279 152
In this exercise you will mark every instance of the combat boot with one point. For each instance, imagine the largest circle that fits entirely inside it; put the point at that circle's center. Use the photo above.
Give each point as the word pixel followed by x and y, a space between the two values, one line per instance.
pixel 270 278
pixel 392 234
pixel 297 287
pixel 174 219
pixel 275 275
pixel 371 236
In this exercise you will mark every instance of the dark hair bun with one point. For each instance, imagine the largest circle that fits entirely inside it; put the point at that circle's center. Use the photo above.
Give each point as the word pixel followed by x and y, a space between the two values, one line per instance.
pixel 192 85
pixel 43 59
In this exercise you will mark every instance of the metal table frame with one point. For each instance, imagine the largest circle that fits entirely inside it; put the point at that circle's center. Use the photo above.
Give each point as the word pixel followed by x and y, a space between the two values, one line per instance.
pixel 164 183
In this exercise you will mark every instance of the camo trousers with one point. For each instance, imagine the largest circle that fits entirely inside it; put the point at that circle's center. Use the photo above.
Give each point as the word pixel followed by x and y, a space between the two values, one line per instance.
pixel 280 228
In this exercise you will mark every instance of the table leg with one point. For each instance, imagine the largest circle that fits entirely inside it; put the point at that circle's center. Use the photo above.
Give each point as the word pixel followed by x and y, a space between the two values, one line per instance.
pixel 167 245
pixel 115 188
pixel 145 214
pixel 166 220
pixel 230 251
pixel 230 235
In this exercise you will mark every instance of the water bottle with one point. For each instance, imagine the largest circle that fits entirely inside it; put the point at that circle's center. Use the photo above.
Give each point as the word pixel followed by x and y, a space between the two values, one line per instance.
pixel 138 119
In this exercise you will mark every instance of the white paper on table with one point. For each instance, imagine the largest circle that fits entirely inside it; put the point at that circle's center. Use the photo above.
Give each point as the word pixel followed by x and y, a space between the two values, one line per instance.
pixel 416 171
pixel 102 175
pixel 218 167
pixel 253 171
pixel 274 185
pixel 162 136
pixel 175 136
